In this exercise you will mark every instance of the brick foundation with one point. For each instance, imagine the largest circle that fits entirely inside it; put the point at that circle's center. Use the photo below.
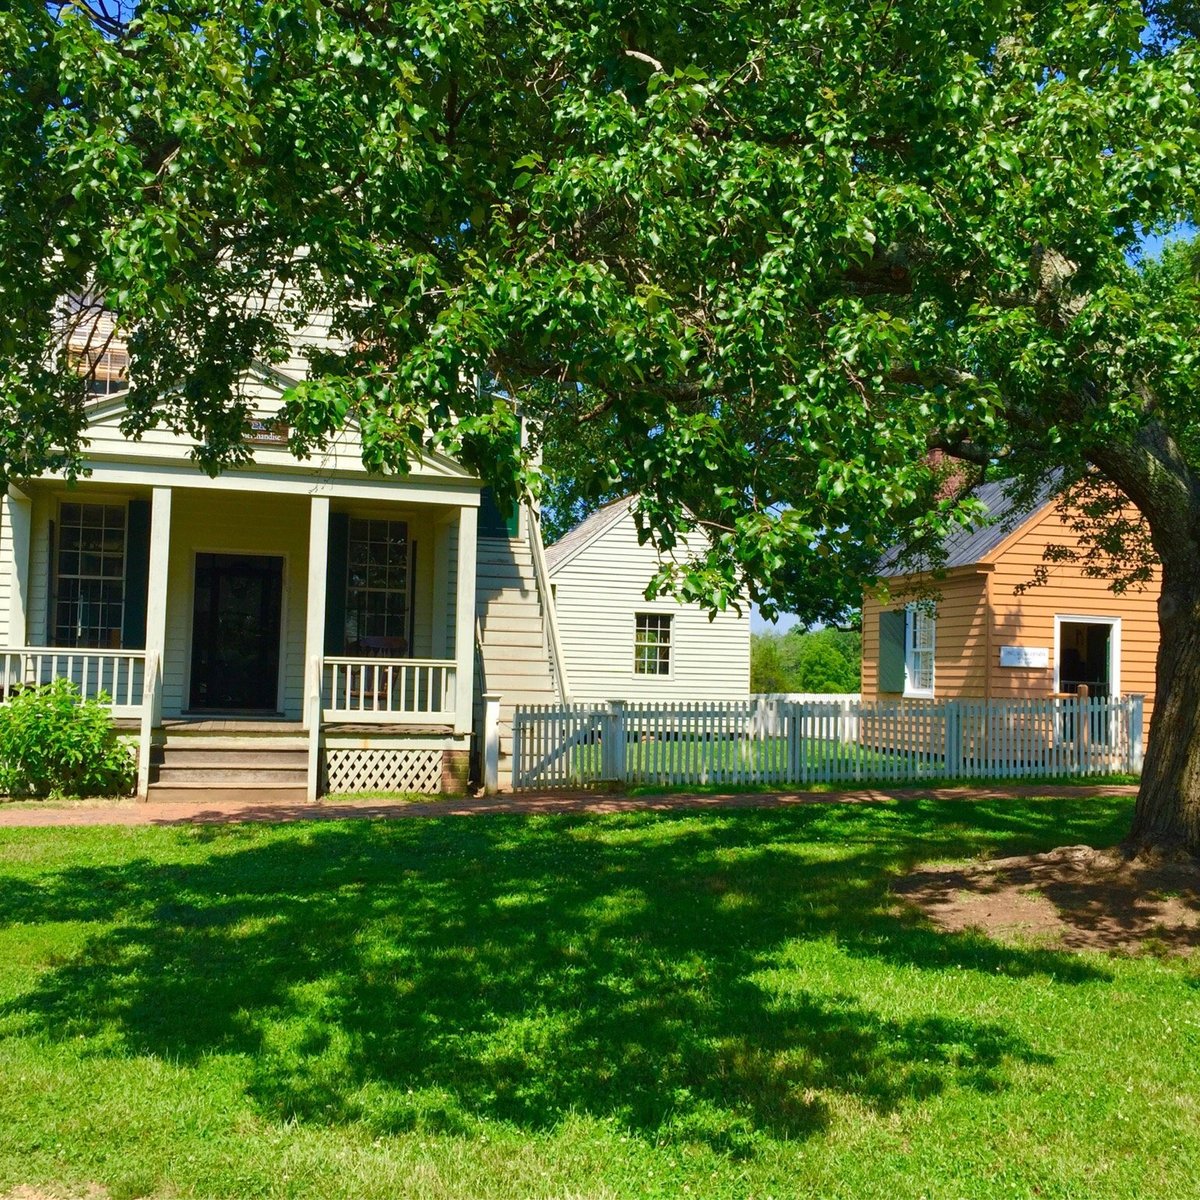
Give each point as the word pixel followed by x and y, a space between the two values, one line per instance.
pixel 456 769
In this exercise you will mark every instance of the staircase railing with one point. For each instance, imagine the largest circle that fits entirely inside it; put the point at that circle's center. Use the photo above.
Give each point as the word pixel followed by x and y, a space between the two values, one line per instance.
pixel 541 573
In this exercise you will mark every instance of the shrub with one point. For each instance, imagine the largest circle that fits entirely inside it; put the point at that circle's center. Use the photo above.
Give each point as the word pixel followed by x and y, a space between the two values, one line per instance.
pixel 53 743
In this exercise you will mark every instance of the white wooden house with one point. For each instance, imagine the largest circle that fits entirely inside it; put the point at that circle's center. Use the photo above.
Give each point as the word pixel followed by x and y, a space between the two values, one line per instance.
pixel 617 645
pixel 291 626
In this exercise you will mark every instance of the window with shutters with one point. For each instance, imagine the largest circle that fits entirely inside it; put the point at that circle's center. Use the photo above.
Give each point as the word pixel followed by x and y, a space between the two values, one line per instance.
pixel 89 575
pixel 652 644
pixel 920 628
pixel 377 587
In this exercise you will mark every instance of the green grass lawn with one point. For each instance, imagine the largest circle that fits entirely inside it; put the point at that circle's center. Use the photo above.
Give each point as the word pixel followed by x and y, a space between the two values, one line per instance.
pixel 708 1005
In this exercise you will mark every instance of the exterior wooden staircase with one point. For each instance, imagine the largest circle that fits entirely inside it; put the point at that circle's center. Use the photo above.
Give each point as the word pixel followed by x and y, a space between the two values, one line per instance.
pixel 514 658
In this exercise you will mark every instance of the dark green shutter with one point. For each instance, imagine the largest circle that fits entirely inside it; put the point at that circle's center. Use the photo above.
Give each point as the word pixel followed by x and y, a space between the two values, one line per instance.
pixel 892 627
pixel 492 522
pixel 335 583
pixel 137 575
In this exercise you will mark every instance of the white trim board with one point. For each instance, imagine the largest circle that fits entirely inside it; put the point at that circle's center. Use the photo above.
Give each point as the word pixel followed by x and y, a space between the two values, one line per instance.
pixel 1114 647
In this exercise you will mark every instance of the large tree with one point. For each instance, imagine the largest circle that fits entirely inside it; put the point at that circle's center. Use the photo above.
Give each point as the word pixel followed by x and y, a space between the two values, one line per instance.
pixel 774 253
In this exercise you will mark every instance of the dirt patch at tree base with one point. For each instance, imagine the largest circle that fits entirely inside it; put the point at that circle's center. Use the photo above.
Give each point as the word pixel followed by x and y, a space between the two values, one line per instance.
pixel 93 1191
pixel 1074 897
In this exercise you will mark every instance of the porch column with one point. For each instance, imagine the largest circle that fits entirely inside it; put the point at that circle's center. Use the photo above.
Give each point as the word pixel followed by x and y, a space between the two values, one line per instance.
pixel 314 625
pixel 156 628
pixel 464 620
pixel 20 522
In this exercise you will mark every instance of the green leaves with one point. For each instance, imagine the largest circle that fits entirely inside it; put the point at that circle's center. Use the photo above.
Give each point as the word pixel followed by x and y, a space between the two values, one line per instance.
pixel 755 261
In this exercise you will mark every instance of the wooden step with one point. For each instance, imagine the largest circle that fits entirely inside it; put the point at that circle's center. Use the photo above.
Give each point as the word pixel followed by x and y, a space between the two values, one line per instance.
pixel 233 756
pixel 227 776
pixel 217 743
pixel 253 795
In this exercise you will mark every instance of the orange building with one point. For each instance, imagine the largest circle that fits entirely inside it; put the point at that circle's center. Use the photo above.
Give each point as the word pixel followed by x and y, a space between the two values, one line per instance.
pixel 985 634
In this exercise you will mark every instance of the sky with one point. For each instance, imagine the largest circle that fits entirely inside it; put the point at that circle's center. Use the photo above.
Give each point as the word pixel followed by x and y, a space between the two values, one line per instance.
pixel 759 624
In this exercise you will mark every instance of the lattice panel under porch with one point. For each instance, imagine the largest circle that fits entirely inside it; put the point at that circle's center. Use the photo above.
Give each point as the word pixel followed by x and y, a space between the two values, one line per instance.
pixel 383 770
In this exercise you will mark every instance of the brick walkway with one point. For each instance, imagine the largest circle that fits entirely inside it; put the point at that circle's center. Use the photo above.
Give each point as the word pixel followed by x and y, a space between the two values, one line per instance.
pixel 217 808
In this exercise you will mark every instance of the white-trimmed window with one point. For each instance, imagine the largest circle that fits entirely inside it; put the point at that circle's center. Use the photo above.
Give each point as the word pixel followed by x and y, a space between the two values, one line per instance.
pixel 89 575
pixel 652 644
pixel 920 634
pixel 377 587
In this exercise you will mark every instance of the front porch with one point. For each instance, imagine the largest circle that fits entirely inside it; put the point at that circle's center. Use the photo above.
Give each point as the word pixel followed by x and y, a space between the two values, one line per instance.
pixel 337 610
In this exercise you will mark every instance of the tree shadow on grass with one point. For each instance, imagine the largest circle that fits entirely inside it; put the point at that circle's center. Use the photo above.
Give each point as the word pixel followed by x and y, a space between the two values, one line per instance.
pixel 438 973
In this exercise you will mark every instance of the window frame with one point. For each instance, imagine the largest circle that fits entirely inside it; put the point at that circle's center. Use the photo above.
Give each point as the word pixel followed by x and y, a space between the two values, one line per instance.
pixel 913 614
pixel 351 589
pixel 658 645
pixel 72 642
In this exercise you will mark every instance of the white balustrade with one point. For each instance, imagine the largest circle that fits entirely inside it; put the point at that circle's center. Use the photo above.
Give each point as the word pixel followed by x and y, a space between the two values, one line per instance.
pixel 414 691
pixel 115 674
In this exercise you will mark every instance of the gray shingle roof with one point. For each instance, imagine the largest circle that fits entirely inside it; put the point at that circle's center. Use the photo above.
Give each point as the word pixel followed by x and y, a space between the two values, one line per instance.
pixel 591 527
pixel 973 544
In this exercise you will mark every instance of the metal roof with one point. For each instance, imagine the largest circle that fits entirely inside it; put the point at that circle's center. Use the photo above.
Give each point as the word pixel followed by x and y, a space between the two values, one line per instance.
pixel 967 545
pixel 591 527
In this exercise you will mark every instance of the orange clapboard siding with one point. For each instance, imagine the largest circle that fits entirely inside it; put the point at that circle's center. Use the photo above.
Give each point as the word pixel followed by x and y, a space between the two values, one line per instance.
pixel 1027 619
pixel 979 610
pixel 960 650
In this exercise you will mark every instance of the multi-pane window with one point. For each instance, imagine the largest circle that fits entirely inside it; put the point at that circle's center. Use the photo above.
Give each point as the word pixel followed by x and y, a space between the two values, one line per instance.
pixel 106 371
pixel 377 587
pixel 920 630
pixel 89 585
pixel 652 644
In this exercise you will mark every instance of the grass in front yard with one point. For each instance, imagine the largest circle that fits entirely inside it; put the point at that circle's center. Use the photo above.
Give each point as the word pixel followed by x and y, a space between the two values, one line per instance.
pixel 660 1005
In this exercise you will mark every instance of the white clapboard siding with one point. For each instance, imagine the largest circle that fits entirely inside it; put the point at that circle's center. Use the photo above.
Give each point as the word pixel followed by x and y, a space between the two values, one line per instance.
pixel 599 588
pixel 512 643
pixel 770 741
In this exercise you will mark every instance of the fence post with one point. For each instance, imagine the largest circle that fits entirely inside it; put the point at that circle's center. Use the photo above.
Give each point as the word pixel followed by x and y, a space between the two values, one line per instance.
pixel 954 739
pixel 491 745
pixel 1083 731
pixel 1136 707
pixel 614 742
pixel 794 724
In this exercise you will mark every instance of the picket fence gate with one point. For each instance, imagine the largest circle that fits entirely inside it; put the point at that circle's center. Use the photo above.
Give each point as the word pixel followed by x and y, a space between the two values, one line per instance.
pixel 776 741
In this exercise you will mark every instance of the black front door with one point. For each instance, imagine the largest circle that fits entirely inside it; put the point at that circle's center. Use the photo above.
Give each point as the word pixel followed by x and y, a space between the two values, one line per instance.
pixel 235 631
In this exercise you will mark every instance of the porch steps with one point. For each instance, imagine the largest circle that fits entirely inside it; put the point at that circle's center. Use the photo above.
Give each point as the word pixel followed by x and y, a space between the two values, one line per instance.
pixel 259 762
pixel 515 657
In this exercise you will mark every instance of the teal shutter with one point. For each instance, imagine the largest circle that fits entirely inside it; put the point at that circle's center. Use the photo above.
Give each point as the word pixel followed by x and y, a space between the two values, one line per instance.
pixel 335 583
pixel 492 522
pixel 137 575
pixel 892 628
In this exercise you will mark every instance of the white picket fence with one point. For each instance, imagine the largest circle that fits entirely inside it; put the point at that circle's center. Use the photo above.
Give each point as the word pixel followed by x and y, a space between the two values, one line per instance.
pixel 768 740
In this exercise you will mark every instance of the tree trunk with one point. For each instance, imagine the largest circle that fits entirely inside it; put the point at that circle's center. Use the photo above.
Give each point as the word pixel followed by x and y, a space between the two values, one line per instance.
pixel 1167 816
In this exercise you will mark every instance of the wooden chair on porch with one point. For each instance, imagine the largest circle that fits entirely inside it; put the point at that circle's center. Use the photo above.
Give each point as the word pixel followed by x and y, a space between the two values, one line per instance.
pixel 372 687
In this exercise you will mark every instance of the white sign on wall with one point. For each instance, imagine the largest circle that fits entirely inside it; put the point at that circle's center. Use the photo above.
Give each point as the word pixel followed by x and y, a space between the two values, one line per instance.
pixel 1024 656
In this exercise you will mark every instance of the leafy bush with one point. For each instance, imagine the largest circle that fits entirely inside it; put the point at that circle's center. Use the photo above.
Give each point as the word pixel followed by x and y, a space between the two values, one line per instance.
pixel 53 743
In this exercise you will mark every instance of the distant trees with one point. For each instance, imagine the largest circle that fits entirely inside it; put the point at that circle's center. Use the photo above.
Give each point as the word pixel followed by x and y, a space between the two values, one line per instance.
pixel 821 660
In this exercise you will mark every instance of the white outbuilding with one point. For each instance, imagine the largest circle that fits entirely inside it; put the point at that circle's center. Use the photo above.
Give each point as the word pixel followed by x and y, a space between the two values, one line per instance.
pixel 617 645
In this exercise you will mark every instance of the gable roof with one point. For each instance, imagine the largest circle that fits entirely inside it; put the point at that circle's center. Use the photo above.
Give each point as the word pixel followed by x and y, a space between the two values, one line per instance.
pixel 587 531
pixel 964 546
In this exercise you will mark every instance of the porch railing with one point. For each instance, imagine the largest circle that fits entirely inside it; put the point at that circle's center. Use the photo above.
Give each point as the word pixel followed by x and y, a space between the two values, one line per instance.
pixel 117 674
pixel 403 690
